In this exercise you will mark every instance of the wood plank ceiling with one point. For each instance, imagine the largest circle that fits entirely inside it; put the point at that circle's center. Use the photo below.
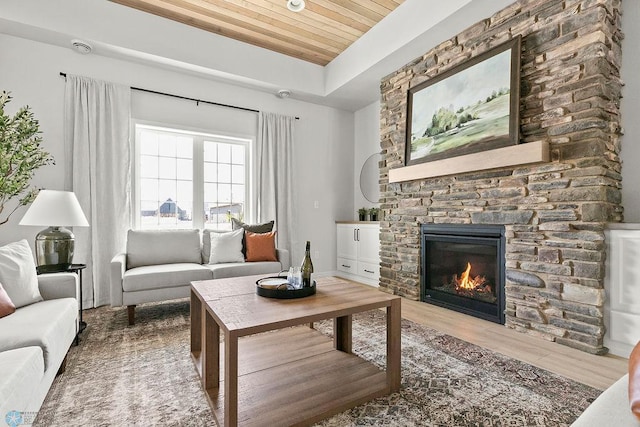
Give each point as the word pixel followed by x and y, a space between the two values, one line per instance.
pixel 319 33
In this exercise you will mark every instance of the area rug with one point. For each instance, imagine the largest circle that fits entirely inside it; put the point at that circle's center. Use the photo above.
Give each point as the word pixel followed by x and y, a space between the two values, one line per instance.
pixel 142 375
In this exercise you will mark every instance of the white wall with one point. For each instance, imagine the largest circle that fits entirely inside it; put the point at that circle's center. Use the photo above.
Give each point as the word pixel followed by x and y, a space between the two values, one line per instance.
pixel 630 104
pixel 324 136
pixel 367 142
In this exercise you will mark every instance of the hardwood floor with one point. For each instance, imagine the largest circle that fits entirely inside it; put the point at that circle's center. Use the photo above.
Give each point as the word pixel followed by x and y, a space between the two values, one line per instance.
pixel 597 371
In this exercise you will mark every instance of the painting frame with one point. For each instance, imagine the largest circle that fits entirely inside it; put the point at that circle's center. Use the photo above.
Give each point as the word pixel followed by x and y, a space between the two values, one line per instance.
pixel 465 123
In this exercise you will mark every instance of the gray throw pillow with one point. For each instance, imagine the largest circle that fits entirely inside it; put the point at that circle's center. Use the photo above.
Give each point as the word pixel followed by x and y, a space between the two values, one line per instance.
pixel 266 227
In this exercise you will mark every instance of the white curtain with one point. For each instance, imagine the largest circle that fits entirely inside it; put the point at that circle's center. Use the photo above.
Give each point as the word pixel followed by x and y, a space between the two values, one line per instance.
pixel 275 198
pixel 98 170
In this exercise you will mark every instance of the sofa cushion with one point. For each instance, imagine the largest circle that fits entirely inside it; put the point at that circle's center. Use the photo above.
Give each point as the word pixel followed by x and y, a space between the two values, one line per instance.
pixel 260 246
pixel 6 305
pixel 21 370
pixel 222 271
pixel 18 273
pixel 226 247
pixel 50 325
pixel 154 247
pixel 163 276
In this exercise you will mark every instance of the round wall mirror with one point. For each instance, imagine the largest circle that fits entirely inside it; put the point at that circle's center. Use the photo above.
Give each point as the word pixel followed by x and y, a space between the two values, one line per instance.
pixel 369 177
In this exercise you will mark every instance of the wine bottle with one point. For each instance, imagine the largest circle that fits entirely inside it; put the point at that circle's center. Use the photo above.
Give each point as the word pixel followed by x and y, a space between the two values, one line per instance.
pixel 307 267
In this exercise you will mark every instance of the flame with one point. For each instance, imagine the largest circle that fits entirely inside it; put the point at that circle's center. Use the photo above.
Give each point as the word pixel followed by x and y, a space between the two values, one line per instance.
pixel 466 282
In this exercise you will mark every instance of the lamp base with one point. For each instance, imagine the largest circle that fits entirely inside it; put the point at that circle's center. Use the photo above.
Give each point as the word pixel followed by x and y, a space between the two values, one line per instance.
pixel 54 249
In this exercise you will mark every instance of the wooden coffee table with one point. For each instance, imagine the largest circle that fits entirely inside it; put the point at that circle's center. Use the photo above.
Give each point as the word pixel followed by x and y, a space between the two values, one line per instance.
pixel 293 375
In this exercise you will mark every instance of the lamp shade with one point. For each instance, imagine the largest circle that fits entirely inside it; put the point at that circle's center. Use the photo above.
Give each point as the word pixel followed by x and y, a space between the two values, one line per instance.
pixel 55 208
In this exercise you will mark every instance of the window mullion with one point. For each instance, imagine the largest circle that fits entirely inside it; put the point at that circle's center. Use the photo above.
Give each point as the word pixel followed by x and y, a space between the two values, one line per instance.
pixel 198 182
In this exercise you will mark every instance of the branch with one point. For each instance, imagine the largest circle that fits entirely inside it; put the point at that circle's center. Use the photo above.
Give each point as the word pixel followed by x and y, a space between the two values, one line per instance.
pixel 9 216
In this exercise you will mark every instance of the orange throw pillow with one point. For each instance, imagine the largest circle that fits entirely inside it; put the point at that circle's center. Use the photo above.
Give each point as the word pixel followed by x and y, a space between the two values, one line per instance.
pixel 634 381
pixel 6 305
pixel 260 246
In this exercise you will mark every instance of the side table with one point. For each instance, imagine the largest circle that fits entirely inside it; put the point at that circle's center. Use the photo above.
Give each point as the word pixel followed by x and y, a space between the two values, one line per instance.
pixel 74 268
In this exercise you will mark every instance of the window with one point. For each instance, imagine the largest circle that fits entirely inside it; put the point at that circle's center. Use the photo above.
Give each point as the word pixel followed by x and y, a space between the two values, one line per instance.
pixel 188 179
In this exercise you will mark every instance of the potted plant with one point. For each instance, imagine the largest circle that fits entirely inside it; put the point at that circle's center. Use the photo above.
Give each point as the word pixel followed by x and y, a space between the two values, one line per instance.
pixel 362 214
pixel 20 156
pixel 373 214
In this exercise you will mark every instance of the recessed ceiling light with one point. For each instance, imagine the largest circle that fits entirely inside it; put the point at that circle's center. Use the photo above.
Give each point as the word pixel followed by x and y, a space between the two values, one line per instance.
pixel 295 5
pixel 81 46
pixel 283 93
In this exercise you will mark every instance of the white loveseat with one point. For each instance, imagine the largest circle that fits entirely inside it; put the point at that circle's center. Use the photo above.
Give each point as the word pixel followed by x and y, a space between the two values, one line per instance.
pixel 34 341
pixel 160 266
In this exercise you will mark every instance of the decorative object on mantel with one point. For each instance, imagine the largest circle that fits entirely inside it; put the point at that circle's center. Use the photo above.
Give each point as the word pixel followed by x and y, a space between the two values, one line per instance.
pixel 470 108
pixel 531 152
pixel 373 214
pixel 362 214
pixel 20 135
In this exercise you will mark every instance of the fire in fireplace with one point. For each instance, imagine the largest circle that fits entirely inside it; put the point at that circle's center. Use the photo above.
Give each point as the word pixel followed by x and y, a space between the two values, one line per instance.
pixel 463 268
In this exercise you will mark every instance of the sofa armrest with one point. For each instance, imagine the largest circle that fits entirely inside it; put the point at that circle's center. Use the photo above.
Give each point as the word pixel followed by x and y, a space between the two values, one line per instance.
pixel 283 257
pixel 611 408
pixel 59 285
pixel 118 268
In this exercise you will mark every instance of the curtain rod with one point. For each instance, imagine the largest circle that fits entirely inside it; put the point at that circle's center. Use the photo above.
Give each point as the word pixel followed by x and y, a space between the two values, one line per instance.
pixel 197 101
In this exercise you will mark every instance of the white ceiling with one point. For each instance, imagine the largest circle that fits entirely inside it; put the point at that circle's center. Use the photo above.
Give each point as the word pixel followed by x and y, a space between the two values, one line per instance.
pixel 350 82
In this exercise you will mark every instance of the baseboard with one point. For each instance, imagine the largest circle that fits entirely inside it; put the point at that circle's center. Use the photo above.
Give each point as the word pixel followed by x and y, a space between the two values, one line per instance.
pixel 353 277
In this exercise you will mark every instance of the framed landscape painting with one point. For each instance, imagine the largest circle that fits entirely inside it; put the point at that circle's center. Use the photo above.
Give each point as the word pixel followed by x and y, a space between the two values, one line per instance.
pixel 470 108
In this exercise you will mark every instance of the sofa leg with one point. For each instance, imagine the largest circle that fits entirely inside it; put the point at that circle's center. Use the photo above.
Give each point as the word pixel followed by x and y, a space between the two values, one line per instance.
pixel 63 366
pixel 131 313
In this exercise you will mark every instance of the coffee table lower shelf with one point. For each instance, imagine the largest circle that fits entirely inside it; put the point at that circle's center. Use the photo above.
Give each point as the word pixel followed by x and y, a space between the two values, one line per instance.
pixel 294 377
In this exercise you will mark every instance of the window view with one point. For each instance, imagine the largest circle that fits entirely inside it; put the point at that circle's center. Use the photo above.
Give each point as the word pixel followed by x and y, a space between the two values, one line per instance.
pixel 189 180
pixel 224 183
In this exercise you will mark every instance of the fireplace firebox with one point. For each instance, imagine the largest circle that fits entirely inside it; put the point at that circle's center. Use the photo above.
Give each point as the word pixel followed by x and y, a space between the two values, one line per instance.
pixel 463 268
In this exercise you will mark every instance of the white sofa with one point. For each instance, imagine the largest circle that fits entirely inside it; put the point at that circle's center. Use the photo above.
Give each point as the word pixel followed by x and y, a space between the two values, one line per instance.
pixel 34 341
pixel 160 266
pixel 611 408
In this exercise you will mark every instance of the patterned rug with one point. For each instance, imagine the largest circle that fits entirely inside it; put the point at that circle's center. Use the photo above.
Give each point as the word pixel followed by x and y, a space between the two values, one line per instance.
pixel 143 376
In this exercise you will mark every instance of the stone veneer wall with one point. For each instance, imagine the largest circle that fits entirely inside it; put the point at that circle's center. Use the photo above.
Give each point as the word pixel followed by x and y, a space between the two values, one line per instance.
pixel 554 213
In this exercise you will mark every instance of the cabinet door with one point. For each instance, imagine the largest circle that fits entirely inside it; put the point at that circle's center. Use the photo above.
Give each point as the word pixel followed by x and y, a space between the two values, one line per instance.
pixel 369 244
pixel 347 244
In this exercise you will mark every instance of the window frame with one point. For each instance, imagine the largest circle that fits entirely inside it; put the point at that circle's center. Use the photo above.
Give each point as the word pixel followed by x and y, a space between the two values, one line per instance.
pixel 199 136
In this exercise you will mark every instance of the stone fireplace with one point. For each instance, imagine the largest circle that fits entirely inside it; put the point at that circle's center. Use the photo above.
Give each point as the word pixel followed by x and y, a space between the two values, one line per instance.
pixel 463 268
pixel 553 213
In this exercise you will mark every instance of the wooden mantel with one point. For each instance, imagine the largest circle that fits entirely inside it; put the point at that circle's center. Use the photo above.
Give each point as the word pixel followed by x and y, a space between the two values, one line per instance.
pixel 532 152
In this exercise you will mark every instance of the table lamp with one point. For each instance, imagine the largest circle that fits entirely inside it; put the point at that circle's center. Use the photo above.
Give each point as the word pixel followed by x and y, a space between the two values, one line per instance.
pixel 55 244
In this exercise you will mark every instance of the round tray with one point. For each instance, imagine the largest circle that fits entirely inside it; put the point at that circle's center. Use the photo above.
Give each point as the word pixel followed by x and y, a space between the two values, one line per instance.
pixel 282 292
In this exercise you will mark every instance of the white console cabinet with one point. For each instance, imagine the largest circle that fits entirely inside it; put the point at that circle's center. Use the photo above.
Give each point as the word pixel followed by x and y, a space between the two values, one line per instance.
pixel 359 251
pixel 622 288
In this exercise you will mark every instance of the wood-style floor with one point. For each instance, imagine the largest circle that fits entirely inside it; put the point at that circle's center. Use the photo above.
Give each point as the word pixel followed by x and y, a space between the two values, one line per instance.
pixel 597 371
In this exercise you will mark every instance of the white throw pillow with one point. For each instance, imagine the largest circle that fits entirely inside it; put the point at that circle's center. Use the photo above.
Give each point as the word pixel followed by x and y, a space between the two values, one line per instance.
pixel 226 247
pixel 18 273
